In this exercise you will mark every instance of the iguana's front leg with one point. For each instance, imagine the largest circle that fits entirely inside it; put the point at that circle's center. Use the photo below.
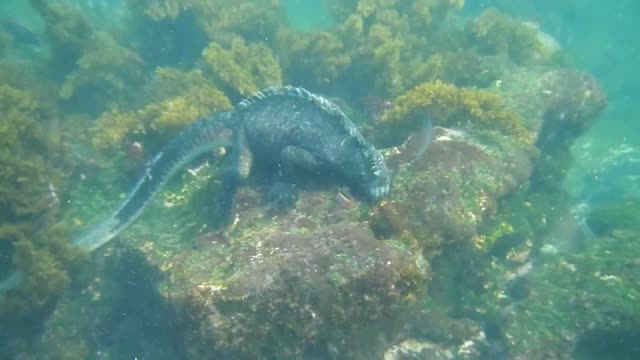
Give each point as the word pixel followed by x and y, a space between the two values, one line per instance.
pixel 283 192
pixel 236 169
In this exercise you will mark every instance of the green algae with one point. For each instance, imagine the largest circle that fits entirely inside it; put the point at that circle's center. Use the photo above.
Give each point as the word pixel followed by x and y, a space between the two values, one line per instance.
pixel 447 104
pixel 497 33
pixel 28 182
pixel 242 69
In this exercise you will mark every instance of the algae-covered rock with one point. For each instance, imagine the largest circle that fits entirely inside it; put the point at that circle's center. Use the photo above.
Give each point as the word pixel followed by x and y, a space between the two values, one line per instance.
pixel 448 105
pixel 302 293
pixel 530 292
pixel 571 100
pixel 302 284
pixel 577 298
pixel 412 349
pixel 496 33
pixel 165 9
pixel 443 194
pixel 446 193
pixel 557 105
pixel 431 333
pixel 458 67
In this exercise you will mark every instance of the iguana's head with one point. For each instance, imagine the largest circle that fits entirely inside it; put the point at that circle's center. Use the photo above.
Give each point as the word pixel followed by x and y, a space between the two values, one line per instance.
pixel 367 174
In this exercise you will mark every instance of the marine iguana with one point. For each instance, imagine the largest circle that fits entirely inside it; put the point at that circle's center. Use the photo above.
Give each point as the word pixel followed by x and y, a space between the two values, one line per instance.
pixel 281 128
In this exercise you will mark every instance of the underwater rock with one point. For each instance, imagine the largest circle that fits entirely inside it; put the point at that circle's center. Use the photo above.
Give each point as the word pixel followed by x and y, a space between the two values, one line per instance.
pixel 523 42
pixel 571 101
pixel 615 218
pixel 446 193
pixel 451 106
pixel 432 333
pixel 572 298
pixel 557 105
pixel 311 283
pixel 299 293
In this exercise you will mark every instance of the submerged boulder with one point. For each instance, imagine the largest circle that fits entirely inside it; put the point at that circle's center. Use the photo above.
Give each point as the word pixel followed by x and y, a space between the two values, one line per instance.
pixel 305 293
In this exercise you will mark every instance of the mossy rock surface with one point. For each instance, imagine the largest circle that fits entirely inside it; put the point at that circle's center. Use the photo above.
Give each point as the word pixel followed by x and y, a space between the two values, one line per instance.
pixel 296 294
pixel 575 297
pixel 445 194
pixel 308 282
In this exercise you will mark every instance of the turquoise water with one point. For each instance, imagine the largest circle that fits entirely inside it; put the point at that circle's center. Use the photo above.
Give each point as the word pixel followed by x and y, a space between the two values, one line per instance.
pixel 509 229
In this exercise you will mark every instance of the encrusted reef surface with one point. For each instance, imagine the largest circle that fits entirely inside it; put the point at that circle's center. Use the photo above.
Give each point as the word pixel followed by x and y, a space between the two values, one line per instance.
pixel 467 259
pixel 319 293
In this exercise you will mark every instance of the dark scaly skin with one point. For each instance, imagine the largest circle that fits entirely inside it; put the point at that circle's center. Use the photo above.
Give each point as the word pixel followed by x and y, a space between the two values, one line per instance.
pixel 284 129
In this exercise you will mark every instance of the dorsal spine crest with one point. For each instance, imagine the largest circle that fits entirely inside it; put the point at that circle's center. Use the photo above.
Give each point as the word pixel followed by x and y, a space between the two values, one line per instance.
pixel 319 101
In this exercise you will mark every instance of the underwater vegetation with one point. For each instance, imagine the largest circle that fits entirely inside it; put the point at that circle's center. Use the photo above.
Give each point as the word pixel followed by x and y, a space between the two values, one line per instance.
pixel 496 33
pixel 69 33
pixel 447 104
pixel 29 200
pixel 242 69
pixel 106 73
pixel 180 98
pixel 457 260
pixel 316 59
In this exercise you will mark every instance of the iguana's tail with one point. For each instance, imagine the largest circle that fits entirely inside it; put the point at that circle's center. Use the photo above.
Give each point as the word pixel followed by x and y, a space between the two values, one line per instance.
pixel 202 136
pixel 205 134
